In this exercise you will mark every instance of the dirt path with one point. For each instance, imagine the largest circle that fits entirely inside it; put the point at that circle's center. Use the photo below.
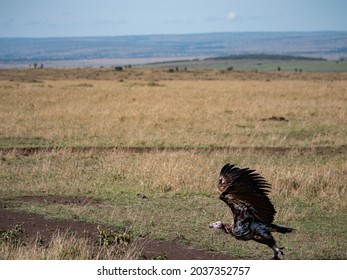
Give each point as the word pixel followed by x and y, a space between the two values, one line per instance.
pixel 34 225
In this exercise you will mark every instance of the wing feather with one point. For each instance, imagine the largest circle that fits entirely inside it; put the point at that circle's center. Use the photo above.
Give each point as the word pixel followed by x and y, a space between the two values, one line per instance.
pixel 246 189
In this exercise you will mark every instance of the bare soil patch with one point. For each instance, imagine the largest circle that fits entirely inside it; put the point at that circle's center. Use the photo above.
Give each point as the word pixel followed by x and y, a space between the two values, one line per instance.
pixel 38 227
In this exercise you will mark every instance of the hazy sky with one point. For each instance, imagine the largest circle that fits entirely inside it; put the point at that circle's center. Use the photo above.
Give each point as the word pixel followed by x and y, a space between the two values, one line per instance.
pixel 56 18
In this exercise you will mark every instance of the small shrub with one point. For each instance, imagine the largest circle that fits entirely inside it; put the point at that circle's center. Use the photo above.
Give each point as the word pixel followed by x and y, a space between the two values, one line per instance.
pixel 107 237
pixel 12 235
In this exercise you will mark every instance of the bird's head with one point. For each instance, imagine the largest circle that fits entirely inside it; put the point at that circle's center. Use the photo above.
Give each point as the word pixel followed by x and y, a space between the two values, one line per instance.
pixel 216 225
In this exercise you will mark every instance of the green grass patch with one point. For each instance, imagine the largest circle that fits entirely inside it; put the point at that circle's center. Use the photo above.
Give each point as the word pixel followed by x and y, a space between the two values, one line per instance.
pixel 181 199
pixel 183 219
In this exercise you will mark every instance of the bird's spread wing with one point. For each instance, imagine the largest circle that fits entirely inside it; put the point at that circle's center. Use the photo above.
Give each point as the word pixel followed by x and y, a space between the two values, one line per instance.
pixel 243 188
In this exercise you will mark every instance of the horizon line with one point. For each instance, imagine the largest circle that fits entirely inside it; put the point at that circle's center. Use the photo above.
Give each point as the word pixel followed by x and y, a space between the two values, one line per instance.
pixel 168 34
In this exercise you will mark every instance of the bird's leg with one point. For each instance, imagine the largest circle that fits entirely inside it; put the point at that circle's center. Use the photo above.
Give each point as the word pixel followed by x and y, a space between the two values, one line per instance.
pixel 277 251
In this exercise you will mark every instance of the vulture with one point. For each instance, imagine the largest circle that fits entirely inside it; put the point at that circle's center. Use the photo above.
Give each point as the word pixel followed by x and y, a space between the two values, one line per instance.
pixel 246 194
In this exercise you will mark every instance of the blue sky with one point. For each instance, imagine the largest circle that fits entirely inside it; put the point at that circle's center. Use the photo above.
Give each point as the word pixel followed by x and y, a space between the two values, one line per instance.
pixel 59 18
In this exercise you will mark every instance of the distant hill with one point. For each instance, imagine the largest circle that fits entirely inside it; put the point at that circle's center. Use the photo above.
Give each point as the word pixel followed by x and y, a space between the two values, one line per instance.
pixel 105 51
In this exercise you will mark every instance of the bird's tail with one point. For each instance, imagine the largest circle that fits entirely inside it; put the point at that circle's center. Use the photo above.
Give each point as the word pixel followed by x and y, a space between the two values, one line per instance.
pixel 281 229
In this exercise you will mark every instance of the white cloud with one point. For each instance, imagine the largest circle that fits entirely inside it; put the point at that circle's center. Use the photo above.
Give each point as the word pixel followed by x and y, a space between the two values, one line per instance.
pixel 231 16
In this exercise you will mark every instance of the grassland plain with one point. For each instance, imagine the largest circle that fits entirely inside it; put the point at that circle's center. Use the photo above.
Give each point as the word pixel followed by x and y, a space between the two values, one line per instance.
pixel 170 113
pixel 257 64
pixel 189 125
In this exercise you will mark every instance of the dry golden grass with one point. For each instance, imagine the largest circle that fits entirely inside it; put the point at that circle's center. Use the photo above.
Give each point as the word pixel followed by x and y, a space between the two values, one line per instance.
pixel 107 174
pixel 68 247
pixel 173 113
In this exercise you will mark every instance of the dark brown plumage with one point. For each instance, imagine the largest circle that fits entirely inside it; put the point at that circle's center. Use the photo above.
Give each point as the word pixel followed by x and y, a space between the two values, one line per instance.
pixel 246 193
